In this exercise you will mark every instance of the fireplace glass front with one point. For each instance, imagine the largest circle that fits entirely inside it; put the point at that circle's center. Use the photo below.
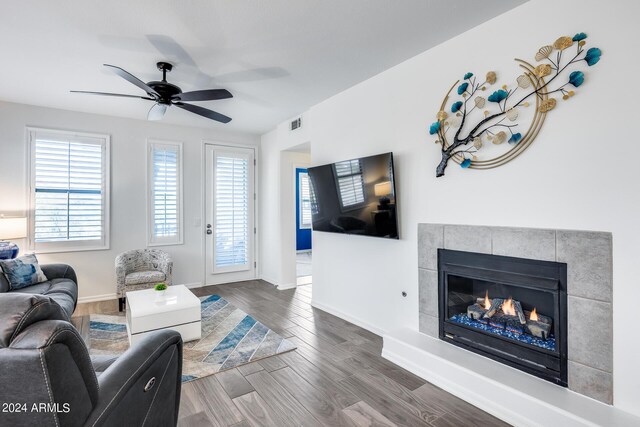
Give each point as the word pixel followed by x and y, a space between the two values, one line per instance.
pixel 512 310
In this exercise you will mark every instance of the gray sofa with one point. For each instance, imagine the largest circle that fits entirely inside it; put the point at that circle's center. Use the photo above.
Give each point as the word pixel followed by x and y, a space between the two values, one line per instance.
pixel 61 287
pixel 44 364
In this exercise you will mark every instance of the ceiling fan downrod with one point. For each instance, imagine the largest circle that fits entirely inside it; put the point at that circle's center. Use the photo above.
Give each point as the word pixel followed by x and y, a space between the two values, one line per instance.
pixel 164 67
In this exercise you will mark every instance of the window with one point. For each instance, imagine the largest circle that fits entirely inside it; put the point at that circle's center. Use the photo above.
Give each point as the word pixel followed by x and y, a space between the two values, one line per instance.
pixel 305 201
pixel 69 186
pixel 315 210
pixel 350 183
pixel 232 211
pixel 164 193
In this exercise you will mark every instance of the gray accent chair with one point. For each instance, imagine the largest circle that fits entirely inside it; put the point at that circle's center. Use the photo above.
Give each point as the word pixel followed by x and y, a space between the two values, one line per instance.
pixel 61 286
pixel 44 362
pixel 141 269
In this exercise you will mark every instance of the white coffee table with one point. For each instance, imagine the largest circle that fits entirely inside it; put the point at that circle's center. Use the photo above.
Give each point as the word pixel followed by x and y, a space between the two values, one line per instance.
pixel 178 309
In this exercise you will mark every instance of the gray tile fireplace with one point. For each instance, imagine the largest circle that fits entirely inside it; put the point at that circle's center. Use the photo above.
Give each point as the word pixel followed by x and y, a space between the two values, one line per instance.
pixel 588 259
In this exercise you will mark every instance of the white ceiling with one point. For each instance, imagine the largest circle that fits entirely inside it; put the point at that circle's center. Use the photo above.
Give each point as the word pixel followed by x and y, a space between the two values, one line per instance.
pixel 277 57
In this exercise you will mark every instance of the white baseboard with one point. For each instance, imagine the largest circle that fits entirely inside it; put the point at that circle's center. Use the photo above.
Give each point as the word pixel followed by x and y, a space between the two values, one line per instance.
pixel 509 394
pixel 193 285
pixel 279 286
pixel 106 297
pixel 96 298
pixel 359 322
pixel 268 279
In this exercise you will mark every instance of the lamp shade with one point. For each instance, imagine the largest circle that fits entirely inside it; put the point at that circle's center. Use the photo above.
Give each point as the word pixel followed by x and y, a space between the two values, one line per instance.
pixel 13 228
pixel 382 189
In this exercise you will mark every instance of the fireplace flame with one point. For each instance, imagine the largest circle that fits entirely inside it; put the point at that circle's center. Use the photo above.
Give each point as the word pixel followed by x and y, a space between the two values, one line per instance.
pixel 487 301
pixel 508 308
pixel 533 315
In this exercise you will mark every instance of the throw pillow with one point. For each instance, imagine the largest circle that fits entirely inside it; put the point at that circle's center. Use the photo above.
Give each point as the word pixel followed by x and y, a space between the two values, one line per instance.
pixel 22 272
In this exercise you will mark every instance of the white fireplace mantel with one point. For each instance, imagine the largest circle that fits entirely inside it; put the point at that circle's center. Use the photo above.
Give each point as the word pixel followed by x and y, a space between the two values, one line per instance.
pixel 524 400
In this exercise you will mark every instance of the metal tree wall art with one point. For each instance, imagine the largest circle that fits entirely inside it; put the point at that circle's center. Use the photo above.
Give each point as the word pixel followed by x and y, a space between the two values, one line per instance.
pixel 471 119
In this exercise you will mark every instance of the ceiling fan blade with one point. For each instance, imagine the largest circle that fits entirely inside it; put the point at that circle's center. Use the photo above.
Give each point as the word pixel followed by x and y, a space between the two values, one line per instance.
pixel 109 94
pixel 157 112
pixel 203 95
pixel 133 79
pixel 209 114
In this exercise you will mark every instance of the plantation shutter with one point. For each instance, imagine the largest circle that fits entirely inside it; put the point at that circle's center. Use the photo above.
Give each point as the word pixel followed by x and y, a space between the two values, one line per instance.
pixel 165 167
pixel 350 182
pixel 305 201
pixel 231 211
pixel 313 199
pixel 68 186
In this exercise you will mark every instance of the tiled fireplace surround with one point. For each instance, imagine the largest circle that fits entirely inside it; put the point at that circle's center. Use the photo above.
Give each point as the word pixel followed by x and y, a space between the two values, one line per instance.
pixel 588 256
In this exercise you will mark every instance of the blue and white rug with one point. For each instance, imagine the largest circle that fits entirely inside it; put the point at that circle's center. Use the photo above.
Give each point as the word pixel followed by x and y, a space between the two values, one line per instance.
pixel 230 338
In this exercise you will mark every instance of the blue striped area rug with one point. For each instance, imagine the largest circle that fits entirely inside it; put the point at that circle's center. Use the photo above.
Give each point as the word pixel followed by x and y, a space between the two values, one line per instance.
pixel 230 338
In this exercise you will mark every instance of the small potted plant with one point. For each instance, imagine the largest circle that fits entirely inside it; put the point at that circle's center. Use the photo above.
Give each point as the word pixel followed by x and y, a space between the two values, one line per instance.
pixel 160 289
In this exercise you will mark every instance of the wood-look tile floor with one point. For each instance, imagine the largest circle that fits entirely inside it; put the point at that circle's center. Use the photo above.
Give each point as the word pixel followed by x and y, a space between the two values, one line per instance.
pixel 335 377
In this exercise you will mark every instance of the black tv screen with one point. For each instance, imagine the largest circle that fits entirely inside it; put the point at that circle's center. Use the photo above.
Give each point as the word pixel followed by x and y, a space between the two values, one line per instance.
pixel 355 196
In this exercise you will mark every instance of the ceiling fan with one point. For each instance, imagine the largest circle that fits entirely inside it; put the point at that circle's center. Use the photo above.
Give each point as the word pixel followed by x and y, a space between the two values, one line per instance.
pixel 165 94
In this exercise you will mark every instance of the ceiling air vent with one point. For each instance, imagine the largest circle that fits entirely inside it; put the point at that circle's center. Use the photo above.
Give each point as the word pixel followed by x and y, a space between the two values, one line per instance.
pixel 296 123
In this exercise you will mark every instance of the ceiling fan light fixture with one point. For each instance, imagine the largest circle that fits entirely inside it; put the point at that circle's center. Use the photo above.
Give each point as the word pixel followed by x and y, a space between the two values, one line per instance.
pixel 165 94
pixel 157 112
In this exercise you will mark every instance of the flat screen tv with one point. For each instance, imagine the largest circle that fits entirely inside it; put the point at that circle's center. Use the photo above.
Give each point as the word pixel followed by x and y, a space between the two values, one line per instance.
pixel 355 196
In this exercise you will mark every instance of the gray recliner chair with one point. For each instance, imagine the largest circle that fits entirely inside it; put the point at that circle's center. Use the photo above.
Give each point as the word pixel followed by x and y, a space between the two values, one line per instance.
pixel 46 370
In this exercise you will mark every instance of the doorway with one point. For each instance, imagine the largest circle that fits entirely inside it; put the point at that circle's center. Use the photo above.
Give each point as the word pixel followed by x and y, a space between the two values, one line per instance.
pixel 303 227
pixel 290 216
pixel 229 214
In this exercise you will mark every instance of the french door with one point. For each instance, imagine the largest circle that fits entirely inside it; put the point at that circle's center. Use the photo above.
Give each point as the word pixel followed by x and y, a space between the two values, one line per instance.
pixel 229 214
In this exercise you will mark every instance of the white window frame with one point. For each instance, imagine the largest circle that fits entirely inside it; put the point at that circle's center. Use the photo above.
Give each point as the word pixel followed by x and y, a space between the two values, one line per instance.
pixel 76 245
pixel 173 240
pixel 301 223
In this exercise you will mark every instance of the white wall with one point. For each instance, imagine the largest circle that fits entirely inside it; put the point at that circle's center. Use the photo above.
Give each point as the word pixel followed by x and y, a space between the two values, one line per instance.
pixel 275 213
pixel 128 187
pixel 580 173
pixel 269 259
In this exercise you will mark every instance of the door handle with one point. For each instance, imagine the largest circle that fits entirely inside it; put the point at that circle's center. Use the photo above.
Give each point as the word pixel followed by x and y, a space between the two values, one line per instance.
pixel 209 231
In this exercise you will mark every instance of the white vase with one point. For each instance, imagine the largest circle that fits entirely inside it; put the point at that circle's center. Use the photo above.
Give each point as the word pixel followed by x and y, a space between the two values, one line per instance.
pixel 160 295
